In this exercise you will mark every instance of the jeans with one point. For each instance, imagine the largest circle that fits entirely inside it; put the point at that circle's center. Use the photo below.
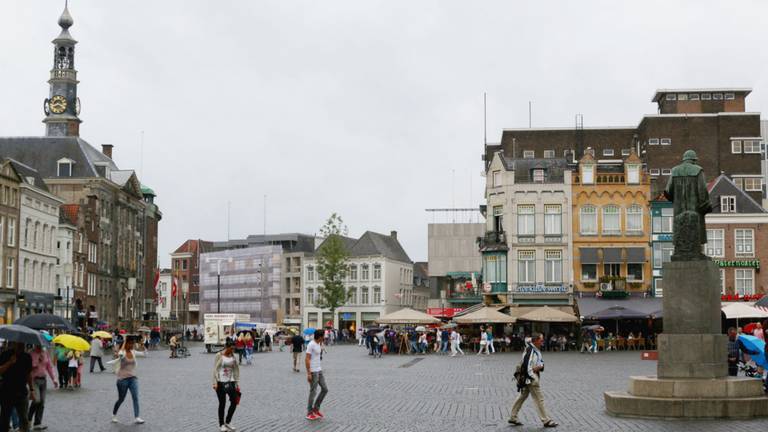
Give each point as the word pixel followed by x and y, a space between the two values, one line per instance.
pixel 123 386
pixel 8 404
pixel 63 368
pixel 95 359
pixel 444 347
pixel 37 406
pixel 222 391
pixel 248 355
pixel 414 347
pixel 317 379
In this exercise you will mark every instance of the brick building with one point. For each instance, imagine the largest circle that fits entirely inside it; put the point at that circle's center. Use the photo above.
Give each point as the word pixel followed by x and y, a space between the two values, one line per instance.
pixel 185 267
pixel 9 245
pixel 713 122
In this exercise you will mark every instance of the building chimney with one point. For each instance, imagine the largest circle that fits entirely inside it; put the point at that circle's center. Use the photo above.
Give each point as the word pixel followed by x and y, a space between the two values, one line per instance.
pixel 107 150
pixel 393 234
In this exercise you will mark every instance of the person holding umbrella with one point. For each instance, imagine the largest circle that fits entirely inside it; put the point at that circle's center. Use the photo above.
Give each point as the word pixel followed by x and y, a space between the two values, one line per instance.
pixel 16 372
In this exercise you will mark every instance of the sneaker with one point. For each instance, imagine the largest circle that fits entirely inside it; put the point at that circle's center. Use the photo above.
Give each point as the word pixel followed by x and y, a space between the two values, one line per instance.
pixel 223 428
pixel 229 427
pixel 319 414
pixel 114 419
pixel 312 416
pixel 139 420
pixel 40 427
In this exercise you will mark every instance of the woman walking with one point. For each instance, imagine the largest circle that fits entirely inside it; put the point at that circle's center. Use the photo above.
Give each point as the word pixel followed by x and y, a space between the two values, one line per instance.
pixel 226 374
pixel 248 348
pixel 126 377
pixel 73 361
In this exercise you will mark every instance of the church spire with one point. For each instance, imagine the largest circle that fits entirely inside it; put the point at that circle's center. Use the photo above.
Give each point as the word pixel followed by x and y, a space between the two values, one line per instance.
pixel 62 107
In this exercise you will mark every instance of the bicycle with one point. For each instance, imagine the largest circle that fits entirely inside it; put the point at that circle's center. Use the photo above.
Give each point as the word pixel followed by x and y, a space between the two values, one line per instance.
pixel 182 351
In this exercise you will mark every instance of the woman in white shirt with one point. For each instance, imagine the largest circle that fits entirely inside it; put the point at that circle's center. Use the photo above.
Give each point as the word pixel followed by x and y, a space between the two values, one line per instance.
pixel 226 375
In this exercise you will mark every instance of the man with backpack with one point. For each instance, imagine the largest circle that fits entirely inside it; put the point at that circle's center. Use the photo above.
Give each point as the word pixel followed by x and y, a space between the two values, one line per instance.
pixel 528 376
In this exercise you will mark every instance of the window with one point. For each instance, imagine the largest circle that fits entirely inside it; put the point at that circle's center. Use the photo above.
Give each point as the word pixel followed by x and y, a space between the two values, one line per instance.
pixel 9 272
pixel 730 96
pixel 753 184
pixel 682 96
pixel 588 174
pixel 364 272
pixel 671 97
pixel 11 231
pixel 662 223
pixel 722 282
pixel 526 220
pixel 662 253
pixel 633 174
pixel 377 271
pixel 727 204
pixel 538 176
pixel 310 296
pixel 553 219
pixel 745 242
pixel 353 272
pixel 588 220
pixel 634 272
pixel 364 295
pixel 717 96
pixel 589 272
pixel 526 266
pixel 693 96
pixel 666 141
pixel 714 246
pixel 626 152
pixel 736 146
pixel 549 154
pixel 611 220
pixel 183 264
pixel 745 281
pixel 706 96
pixel 64 168
pixel 310 273
pixel 498 218
pixel 496 178
pixel 352 295
pixel 653 141
pixel 655 171
pixel 553 266
pixel 751 146
pixel 529 154
pixel 666 171
pixel 607 152
pixel 635 218
pixel 376 295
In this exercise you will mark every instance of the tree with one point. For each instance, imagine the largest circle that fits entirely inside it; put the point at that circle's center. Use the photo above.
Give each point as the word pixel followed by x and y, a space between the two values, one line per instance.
pixel 331 259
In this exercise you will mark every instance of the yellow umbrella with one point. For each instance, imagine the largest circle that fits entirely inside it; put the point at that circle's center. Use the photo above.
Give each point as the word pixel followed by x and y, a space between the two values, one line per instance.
pixel 102 334
pixel 72 342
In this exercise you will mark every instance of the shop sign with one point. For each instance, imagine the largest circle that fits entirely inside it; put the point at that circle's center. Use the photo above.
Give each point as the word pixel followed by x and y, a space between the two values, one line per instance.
pixel 347 316
pixel 444 312
pixel 541 288
pixel 664 237
pixel 739 263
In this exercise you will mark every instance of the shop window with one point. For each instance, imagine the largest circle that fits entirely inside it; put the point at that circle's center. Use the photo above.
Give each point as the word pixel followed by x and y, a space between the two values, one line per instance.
pixel 635 272
pixel 589 272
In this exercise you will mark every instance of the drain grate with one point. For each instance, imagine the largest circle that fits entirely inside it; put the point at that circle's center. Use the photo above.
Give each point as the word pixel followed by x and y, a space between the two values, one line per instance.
pixel 411 363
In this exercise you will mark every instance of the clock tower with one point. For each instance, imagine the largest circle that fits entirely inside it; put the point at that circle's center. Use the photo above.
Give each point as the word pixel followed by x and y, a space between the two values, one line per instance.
pixel 62 107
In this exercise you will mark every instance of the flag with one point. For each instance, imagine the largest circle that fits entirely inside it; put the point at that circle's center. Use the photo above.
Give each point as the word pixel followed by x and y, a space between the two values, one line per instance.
pixel 174 287
pixel 155 284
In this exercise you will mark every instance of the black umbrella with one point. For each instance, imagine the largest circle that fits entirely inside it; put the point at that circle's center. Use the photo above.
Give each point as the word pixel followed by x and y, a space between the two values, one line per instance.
pixel 44 321
pixel 20 333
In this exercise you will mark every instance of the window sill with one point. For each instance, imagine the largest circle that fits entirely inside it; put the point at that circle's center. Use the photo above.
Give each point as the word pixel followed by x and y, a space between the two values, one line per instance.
pixel 635 233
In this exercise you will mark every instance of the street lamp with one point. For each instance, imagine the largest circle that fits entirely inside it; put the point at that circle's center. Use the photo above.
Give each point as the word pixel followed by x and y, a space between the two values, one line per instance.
pixel 218 277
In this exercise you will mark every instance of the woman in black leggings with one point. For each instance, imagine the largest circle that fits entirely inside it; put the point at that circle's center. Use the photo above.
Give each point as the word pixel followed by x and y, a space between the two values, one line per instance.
pixel 226 375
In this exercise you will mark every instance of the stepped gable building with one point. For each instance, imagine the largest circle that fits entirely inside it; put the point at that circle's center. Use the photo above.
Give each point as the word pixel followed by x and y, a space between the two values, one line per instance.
pixel 112 206
pixel 713 122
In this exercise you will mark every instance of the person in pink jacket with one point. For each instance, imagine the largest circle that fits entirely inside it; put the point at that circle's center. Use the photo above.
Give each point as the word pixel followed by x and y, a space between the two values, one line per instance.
pixel 41 366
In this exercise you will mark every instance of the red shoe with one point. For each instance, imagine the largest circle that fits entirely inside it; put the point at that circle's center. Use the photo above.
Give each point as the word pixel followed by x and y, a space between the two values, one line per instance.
pixel 312 416
pixel 318 414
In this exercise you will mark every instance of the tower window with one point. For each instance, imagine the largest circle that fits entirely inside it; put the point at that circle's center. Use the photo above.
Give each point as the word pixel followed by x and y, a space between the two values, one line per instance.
pixel 64 167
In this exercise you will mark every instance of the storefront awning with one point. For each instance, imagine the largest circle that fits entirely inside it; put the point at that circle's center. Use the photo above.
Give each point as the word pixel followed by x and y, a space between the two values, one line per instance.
pixel 612 255
pixel 588 255
pixel 635 255
pixel 595 308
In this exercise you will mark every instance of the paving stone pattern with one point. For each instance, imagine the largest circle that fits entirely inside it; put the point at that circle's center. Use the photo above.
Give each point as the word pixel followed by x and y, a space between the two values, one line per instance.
pixel 440 393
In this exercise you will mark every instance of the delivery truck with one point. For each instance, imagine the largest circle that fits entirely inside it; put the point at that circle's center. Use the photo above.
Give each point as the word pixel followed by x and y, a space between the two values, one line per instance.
pixel 220 326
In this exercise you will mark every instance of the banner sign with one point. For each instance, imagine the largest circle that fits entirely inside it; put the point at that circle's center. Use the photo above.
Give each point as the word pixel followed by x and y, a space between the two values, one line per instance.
pixel 739 263
pixel 541 288
pixel 444 312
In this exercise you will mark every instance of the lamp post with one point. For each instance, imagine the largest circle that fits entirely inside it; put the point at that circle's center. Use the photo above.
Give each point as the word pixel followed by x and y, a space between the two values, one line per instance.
pixel 218 277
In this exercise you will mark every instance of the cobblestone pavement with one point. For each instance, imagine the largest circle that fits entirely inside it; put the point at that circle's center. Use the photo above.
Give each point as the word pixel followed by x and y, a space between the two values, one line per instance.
pixel 439 393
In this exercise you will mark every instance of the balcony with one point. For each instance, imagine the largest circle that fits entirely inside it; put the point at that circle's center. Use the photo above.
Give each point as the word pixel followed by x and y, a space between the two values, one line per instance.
pixel 493 241
pixel 469 296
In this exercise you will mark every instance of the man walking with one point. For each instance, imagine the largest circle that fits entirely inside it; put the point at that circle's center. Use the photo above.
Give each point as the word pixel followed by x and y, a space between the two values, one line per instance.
pixel 530 381
pixel 41 365
pixel 16 373
pixel 96 353
pixel 315 376
pixel 298 345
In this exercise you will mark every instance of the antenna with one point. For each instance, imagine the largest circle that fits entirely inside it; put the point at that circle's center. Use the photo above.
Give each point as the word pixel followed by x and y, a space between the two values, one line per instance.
pixel 485 121
pixel 265 217
pixel 529 114
pixel 229 210
pixel 141 156
pixel 453 193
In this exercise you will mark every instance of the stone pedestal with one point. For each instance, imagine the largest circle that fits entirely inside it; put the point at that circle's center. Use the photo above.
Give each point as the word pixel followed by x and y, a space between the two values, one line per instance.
pixel 692 379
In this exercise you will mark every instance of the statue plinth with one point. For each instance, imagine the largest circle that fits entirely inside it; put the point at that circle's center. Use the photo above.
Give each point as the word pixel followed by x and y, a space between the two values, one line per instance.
pixel 692 379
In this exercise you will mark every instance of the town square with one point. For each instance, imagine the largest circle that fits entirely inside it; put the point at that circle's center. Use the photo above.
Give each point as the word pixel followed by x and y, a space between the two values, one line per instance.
pixel 383 216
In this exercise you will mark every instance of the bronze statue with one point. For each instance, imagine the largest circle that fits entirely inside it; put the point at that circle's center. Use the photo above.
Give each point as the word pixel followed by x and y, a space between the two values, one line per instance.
pixel 687 189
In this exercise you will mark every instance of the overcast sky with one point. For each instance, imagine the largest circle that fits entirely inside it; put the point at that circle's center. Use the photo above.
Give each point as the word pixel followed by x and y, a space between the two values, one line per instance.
pixel 372 109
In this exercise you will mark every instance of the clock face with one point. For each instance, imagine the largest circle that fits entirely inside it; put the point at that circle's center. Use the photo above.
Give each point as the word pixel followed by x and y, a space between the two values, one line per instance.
pixel 46 107
pixel 58 104
pixel 77 106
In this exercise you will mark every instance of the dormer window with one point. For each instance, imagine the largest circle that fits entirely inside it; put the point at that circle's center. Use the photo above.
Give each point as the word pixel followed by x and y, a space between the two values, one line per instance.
pixel 538 176
pixel 64 167
pixel 31 180
pixel 102 169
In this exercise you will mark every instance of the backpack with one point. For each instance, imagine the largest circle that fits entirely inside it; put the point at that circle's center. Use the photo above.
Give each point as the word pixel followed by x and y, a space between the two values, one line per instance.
pixel 521 371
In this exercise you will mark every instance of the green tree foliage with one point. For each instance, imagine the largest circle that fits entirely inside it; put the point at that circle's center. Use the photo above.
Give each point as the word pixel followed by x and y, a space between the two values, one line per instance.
pixel 331 259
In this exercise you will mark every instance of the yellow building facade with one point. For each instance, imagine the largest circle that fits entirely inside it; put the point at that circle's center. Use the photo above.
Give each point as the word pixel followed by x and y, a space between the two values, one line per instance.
pixel 611 226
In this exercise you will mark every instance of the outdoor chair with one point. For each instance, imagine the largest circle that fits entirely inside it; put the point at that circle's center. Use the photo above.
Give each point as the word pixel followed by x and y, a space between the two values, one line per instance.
pixel 621 344
pixel 601 345
pixel 641 344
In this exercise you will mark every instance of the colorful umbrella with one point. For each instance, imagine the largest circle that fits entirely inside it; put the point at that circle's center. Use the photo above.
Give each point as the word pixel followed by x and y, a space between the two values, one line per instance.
pixel 72 342
pixel 101 334
pixel 309 330
pixel 757 345
pixel 46 335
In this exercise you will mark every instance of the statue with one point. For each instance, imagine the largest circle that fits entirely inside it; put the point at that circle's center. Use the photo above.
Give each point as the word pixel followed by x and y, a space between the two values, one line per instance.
pixel 688 191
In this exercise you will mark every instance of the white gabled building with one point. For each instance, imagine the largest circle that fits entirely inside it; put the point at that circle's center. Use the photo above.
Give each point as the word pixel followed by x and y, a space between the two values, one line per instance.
pixel 379 281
